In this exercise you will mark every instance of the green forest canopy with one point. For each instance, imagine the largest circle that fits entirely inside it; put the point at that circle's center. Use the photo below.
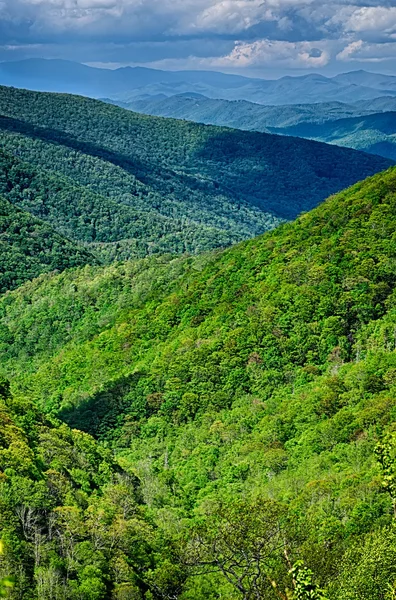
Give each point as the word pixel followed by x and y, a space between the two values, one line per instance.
pixel 266 371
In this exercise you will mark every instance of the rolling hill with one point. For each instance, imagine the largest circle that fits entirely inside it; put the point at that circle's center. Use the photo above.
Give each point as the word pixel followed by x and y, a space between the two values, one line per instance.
pixel 248 115
pixel 236 389
pixel 373 133
pixel 305 89
pixel 135 185
pixel 359 125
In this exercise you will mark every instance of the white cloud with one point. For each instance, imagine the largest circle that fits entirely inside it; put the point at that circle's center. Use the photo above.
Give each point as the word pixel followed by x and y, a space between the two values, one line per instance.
pixel 372 18
pixel 265 52
pixel 306 34
pixel 350 50
pixel 367 21
pixel 173 17
pixel 227 16
pixel 366 52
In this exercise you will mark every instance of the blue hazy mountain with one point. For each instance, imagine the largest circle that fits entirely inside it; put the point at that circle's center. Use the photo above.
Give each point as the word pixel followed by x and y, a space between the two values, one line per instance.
pixel 67 76
pixel 126 82
pixel 248 115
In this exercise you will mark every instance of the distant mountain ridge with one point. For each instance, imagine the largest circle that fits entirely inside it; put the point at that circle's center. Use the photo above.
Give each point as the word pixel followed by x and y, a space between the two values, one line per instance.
pixel 71 77
pixel 373 80
pixel 374 133
pixel 242 114
pixel 124 83
pixel 368 126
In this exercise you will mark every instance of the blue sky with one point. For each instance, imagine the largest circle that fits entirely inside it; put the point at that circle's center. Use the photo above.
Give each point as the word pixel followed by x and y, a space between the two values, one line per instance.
pixel 252 37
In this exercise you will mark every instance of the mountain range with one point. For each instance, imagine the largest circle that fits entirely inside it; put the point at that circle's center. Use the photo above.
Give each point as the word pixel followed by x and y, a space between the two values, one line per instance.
pixel 374 133
pixel 241 114
pixel 126 82
pixel 363 125
pixel 126 185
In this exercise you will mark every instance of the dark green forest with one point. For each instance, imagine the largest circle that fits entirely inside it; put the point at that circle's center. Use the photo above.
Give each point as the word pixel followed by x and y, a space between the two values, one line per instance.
pixel 29 247
pixel 365 125
pixel 108 228
pixel 208 427
pixel 236 181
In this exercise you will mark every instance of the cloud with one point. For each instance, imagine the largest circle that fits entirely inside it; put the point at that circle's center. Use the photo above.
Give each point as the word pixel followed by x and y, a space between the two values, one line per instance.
pixel 168 17
pixel 350 50
pixel 367 52
pixel 239 34
pixel 372 18
pixel 227 16
pixel 266 52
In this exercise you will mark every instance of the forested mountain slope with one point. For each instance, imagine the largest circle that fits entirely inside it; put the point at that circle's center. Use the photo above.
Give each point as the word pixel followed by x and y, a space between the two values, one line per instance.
pixel 248 115
pixel 199 186
pixel 373 133
pixel 109 211
pixel 358 125
pixel 71 522
pixel 29 247
pixel 266 371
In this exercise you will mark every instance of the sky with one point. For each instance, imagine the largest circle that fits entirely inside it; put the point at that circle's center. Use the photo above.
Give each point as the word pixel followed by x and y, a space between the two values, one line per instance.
pixel 251 37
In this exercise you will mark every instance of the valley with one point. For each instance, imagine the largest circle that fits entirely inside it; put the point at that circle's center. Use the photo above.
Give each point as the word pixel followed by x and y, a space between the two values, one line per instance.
pixel 197 339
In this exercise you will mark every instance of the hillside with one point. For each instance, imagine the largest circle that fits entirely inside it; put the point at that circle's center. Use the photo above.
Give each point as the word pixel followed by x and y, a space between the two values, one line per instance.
pixel 29 247
pixel 114 215
pixel 62 497
pixel 356 126
pixel 263 371
pixel 248 115
pixel 201 186
pixel 239 114
pixel 373 133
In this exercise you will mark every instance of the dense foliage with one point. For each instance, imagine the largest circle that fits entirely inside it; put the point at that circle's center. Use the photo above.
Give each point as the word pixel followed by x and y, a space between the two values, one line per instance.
pixel 71 522
pixel 106 227
pixel 249 395
pixel 218 177
pixel 360 126
pixel 29 247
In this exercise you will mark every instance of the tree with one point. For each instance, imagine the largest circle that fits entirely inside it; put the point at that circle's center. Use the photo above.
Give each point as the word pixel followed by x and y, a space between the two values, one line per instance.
pixel 244 541
pixel 6 583
pixel 386 455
